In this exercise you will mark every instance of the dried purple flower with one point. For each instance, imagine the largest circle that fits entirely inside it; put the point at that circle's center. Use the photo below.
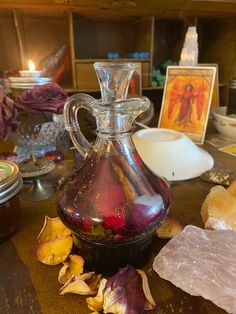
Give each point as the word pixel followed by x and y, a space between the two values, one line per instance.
pixel 124 293
pixel 127 292
pixel 48 97
pixel 7 115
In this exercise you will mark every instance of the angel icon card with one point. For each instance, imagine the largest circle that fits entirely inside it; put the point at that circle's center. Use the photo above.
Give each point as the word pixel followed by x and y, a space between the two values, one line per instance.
pixel 187 100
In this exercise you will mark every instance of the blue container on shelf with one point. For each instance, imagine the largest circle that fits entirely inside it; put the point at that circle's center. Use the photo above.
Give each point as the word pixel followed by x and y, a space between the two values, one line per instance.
pixel 113 55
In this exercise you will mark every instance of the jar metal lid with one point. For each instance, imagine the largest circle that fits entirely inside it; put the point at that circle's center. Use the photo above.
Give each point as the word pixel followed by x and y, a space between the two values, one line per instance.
pixel 10 180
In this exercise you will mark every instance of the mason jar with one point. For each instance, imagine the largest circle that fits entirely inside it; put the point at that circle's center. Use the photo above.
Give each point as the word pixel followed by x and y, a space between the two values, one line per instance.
pixel 10 211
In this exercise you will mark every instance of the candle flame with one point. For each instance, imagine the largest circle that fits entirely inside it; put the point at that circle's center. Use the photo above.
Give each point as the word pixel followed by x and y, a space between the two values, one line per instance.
pixel 31 65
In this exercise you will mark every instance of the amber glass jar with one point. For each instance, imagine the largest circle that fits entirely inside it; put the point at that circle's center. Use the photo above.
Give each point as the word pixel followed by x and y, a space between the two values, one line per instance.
pixel 10 212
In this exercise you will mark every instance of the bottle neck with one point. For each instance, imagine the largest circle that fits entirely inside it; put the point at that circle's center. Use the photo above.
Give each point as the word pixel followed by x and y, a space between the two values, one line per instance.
pixel 114 112
pixel 118 117
pixel 114 79
pixel 114 123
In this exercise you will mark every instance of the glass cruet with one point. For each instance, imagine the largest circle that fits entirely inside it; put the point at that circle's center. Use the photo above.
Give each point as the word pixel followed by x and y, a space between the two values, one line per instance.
pixel 113 204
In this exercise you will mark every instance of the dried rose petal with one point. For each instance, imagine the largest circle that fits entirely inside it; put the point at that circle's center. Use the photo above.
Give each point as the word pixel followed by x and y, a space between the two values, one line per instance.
pixel 114 223
pixel 54 252
pixel 73 266
pixel 145 210
pixel 169 228
pixel 52 229
pixel 54 242
pixel 75 285
pixel 85 284
pixel 149 303
pixel 96 303
pixel 124 293
pixel 87 224
pixel 8 115
pixel 48 97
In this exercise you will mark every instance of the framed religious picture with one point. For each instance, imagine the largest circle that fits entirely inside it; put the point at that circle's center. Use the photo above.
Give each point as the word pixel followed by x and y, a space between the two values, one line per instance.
pixel 187 99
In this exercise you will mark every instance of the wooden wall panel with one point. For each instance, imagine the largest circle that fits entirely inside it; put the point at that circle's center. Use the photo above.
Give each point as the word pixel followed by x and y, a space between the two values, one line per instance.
pixel 218 45
pixel 95 39
pixel 114 9
pixel 43 35
pixel 9 49
pixel 168 40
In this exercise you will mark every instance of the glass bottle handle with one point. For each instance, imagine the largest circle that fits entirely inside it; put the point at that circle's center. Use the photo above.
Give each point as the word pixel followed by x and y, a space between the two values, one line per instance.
pixel 73 104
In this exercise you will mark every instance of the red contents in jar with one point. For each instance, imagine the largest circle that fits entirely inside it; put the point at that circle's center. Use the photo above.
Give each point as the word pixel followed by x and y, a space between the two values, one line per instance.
pixel 10 218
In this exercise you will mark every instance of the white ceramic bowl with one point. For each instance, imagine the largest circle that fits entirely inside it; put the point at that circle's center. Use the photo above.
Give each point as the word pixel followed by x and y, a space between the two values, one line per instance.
pixel 225 125
pixel 171 154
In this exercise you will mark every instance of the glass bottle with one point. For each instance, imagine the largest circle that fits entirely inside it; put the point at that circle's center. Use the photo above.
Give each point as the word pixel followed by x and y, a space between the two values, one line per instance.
pixel 113 204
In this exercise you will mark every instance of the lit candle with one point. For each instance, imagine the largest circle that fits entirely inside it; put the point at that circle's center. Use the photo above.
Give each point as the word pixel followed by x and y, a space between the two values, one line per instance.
pixel 31 65
pixel 31 72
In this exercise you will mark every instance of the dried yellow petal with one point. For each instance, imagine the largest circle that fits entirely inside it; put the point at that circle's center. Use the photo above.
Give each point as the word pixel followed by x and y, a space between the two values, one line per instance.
pixel 96 303
pixel 80 284
pixel 52 229
pixel 54 252
pixel 73 266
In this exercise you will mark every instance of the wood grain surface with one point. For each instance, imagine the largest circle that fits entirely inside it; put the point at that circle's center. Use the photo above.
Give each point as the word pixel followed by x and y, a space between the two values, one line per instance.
pixel 116 9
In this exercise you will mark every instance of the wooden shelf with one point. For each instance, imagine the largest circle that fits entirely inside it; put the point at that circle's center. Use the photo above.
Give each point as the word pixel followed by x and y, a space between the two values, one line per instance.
pixel 71 90
pixel 153 88
pixel 121 37
pixel 106 10
pixel 111 60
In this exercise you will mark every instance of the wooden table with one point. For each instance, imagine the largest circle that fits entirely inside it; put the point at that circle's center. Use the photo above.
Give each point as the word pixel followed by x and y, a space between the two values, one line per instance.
pixel 27 286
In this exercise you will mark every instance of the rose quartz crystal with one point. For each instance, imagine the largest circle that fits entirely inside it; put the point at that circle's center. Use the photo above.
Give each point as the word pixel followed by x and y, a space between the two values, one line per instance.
pixel 202 263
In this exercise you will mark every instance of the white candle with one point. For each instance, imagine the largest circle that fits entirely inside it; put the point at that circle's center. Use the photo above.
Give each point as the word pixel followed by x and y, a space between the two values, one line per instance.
pixel 31 72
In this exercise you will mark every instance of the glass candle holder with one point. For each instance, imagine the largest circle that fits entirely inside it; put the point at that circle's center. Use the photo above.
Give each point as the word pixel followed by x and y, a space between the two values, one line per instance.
pixel 36 133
